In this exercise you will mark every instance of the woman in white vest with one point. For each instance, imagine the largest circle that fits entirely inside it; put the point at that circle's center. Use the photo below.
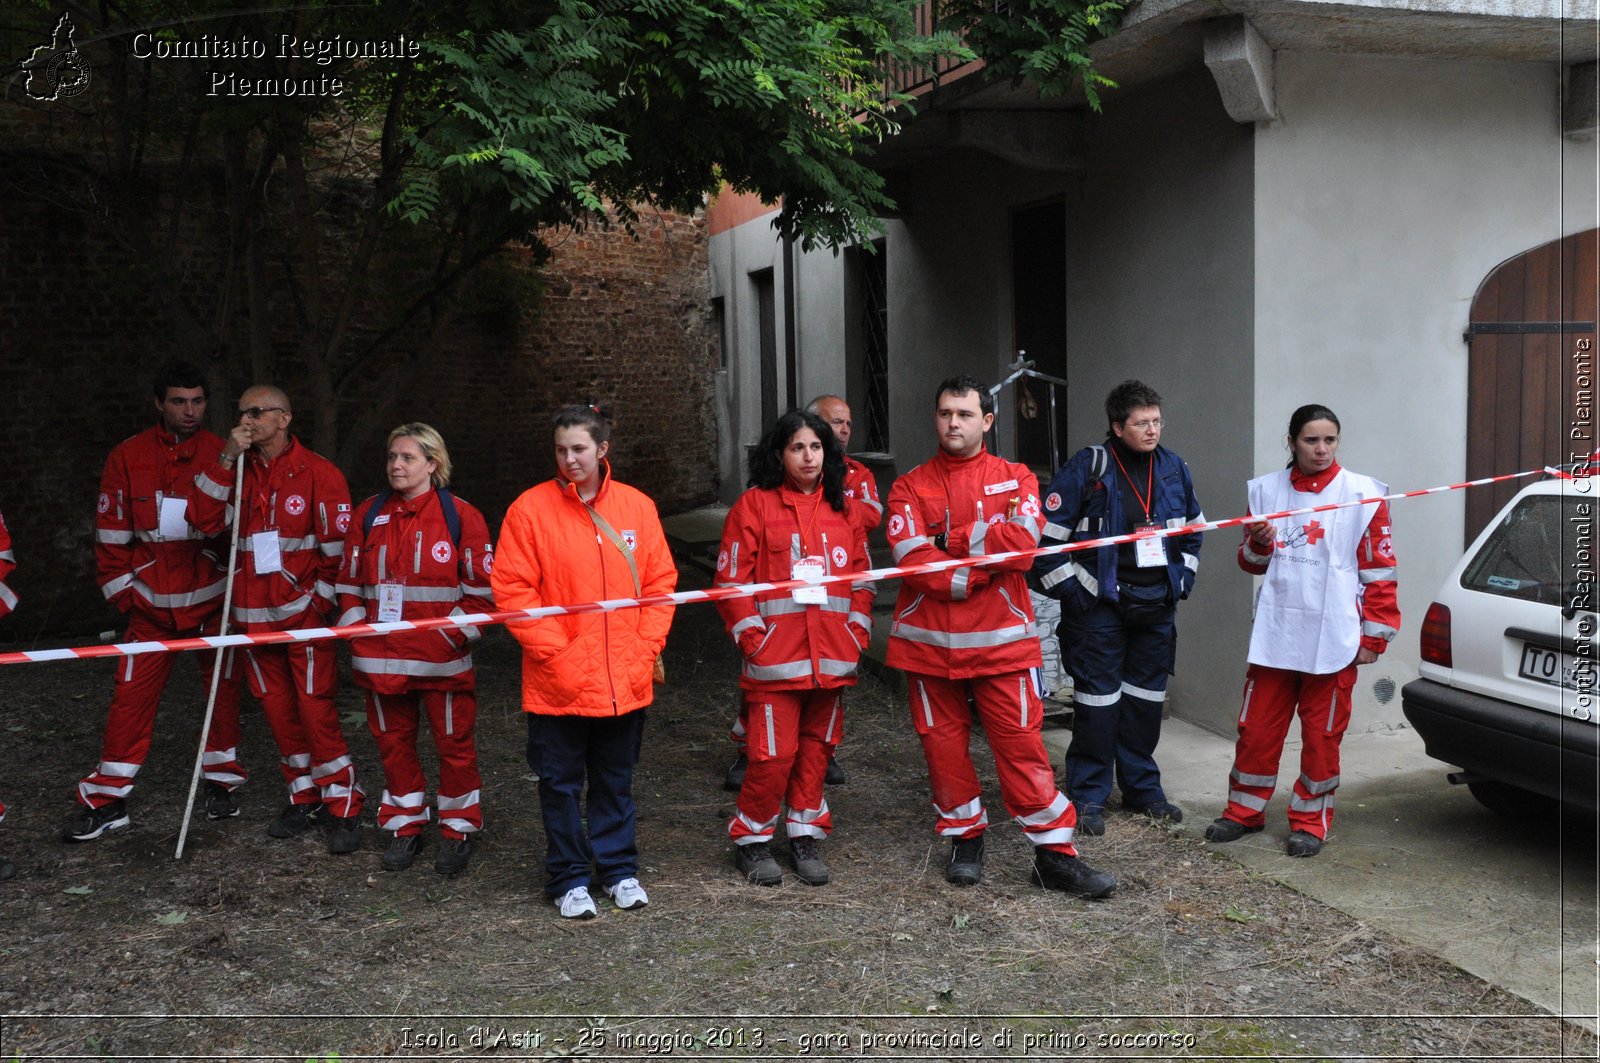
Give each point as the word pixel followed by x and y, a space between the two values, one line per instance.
pixel 1327 606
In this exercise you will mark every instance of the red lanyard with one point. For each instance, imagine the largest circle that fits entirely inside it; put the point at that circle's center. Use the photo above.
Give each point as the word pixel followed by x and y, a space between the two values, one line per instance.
pixel 815 498
pixel 1149 484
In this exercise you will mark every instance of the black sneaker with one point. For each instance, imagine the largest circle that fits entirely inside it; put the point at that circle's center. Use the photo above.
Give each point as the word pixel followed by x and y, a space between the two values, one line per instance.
pixel 295 820
pixel 90 823
pixel 966 861
pixel 807 861
pixel 1303 843
pixel 220 803
pixel 8 869
pixel 755 863
pixel 1091 821
pixel 1058 871
pixel 835 776
pixel 402 851
pixel 1160 811
pixel 452 857
pixel 344 834
pixel 733 781
pixel 1228 830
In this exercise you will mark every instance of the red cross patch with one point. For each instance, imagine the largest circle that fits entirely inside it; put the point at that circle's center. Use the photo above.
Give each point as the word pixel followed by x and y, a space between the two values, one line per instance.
pixel 1314 533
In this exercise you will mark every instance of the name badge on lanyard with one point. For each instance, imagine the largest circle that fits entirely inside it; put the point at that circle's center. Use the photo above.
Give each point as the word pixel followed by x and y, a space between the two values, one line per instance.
pixel 391 601
pixel 809 568
pixel 264 545
pixel 1150 550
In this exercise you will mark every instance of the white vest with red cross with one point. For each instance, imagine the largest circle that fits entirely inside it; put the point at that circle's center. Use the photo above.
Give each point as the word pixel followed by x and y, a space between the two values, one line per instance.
pixel 1308 614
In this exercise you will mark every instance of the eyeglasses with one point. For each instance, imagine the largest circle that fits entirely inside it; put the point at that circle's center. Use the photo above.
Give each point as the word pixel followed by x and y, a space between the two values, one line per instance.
pixel 1145 426
pixel 255 412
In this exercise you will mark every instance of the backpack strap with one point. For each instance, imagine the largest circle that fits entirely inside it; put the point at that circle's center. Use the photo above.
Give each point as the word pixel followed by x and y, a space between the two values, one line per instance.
pixel 447 503
pixel 452 517
pixel 1098 462
pixel 376 503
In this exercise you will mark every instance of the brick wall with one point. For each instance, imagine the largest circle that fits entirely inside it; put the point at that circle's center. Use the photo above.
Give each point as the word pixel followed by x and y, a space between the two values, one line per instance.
pixel 620 320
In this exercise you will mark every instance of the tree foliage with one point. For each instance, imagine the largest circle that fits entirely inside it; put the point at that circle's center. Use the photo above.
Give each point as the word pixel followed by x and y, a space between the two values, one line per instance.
pixel 1045 42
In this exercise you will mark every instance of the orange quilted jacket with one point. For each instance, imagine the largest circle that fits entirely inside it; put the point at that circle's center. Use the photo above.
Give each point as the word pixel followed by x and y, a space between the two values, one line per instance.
pixel 552 553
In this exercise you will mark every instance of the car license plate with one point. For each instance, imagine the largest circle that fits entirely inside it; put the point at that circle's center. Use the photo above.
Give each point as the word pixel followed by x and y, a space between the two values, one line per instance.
pixel 1556 668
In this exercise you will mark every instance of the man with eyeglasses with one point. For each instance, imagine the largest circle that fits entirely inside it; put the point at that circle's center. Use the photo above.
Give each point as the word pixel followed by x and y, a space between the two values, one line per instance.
pixel 157 566
pixel 1119 603
pixel 293 515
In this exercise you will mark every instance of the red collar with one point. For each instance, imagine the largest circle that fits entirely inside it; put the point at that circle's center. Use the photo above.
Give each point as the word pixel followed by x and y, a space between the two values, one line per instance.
pixel 1306 483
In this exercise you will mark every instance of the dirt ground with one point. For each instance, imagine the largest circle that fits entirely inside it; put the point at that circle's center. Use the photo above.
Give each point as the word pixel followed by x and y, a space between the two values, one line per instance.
pixel 253 948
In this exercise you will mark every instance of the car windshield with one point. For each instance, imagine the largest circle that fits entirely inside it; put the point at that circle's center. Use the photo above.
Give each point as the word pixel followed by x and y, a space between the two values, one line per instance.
pixel 1542 552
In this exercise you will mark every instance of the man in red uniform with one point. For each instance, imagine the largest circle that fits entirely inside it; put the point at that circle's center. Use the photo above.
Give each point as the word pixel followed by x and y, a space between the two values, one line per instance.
pixel 292 519
pixel 861 496
pixel 8 602
pixel 963 637
pixel 158 567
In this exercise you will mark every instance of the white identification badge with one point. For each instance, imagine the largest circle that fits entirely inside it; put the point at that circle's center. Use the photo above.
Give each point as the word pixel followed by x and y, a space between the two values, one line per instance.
pixel 391 602
pixel 264 545
pixel 810 568
pixel 174 518
pixel 1149 551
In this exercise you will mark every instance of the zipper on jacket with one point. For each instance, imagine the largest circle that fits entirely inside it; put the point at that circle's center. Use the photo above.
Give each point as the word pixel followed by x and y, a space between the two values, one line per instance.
pixel 605 621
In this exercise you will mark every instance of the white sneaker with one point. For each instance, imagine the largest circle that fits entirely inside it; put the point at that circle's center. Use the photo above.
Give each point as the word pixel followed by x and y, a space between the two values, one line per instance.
pixel 628 894
pixel 577 904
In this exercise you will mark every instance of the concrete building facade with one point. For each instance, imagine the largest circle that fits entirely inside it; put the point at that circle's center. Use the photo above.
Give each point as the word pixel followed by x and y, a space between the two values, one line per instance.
pixel 1284 202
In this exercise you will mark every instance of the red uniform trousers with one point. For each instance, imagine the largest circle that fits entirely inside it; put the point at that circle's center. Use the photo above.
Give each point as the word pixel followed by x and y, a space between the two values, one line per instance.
pixel 1271 696
pixel 395 720
pixel 140 681
pixel 791 734
pixel 297 684
pixel 1010 709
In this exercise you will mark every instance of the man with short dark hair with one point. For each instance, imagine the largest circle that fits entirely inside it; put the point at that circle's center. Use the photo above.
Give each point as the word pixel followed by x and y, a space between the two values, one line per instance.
pixel 293 514
pixel 168 576
pixel 963 636
pixel 1119 605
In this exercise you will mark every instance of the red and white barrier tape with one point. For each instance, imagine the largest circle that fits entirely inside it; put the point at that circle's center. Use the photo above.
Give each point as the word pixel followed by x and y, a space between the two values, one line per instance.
pixel 356 631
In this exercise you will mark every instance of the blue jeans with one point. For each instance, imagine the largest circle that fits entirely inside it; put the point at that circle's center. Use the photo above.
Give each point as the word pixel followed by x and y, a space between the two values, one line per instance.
pixel 1119 675
pixel 564 751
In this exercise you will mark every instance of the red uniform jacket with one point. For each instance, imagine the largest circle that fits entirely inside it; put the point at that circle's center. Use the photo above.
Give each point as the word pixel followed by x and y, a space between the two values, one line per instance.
pixel 861 492
pixel 410 548
pixel 302 498
pixel 175 581
pixel 788 645
pixel 8 561
pixel 964 622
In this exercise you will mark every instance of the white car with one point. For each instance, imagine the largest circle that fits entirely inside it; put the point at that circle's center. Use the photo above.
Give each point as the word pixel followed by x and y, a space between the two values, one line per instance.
pixel 1510 650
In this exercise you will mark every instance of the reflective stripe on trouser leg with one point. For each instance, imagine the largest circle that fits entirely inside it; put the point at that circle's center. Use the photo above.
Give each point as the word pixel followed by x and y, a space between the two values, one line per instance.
pixel 315 689
pixel 220 762
pixel 813 822
pixel 1266 709
pixel 1095 643
pixel 819 717
pixel 1145 670
pixel 403 813
pixel 773 719
pixel 942 718
pixel 1027 782
pixel 267 670
pixel 1324 717
pixel 453 717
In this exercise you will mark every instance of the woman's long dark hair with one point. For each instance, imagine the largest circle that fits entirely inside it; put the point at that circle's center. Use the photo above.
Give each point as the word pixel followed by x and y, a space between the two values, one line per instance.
pixel 766 465
pixel 1311 411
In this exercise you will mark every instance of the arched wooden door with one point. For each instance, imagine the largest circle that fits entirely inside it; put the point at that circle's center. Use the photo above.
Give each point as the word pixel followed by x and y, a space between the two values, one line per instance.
pixel 1531 368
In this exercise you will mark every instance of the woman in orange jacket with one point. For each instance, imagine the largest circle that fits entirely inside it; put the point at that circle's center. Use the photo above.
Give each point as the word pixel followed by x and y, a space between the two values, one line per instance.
pixel 801 647
pixel 586 677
